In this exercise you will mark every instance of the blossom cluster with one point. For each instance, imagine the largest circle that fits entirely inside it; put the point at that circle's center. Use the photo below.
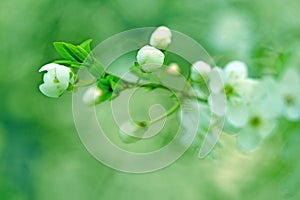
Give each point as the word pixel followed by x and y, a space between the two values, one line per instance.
pixel 250 106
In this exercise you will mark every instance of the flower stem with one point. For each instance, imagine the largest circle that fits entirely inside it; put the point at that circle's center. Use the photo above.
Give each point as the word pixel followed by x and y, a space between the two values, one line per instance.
pixel 170 112
pixel 84 83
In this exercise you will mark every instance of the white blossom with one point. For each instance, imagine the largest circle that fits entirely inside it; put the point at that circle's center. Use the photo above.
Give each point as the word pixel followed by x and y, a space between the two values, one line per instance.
pixel 161 37
pixel 265 107
pixel 258 127
pixel 267 97
pixel 290 94
pixel 231 84
pixel 56 80
pixel 150 58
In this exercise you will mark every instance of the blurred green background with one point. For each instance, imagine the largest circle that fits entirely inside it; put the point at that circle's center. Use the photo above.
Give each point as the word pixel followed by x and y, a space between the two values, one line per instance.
pixel 41 156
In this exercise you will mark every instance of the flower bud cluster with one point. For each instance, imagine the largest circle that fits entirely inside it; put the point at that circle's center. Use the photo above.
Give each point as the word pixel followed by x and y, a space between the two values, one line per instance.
pixel 151 58
pixel 250 107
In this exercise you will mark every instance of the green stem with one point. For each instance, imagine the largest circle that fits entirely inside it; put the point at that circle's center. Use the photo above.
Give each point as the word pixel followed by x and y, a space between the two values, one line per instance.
pixel 85 83
pixel 197 98
pixel 138 81
pixel 201 100
pixel 170 112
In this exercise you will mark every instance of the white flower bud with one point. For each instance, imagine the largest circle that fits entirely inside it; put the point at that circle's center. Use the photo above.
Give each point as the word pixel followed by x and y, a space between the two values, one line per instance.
pixel 161 37
pixel 200 71
pixel 150 58
pixel 92 96
pixel 173 69
pixel 56 80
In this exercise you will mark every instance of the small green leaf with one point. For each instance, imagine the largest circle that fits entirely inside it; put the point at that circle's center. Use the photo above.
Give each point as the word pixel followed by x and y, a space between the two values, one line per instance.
pixel 60 48
pixel 86 45
pixel 68 63
pixel 75 52
pixel 105 84
pixel 70 52
pixel 82 51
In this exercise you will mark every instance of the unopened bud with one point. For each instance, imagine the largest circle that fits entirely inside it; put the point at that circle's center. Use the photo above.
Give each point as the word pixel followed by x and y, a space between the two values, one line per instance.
pixel 92 96
pixel 161 37
pixel 150 58
pixel 173 69
pixel 200 71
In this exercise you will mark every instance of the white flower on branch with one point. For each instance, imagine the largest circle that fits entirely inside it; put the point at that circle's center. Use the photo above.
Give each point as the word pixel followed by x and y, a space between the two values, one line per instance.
pixel 265 107
pixel 290 94
pixel 56 80
pixel 237 88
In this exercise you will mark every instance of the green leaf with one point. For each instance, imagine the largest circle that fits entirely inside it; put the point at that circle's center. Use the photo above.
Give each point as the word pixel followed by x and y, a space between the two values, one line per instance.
pixel 105 84
pixel 70 52
pixel 81 51
pixel 60 48
pixel 68 63
pixel 86 45
pixel 75 52
pixel 96 69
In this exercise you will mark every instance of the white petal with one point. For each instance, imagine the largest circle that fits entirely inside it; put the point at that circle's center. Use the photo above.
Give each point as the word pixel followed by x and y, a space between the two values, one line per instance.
pixel 235 71
pixel 51 90
pixel 272 106
pixel 217 103
pixel 190 111
pixel 49 67
pixel 266 128
pixel 49 76
pixel 290 77
pixel 63 75
pixel 248 140
pixel 246 88
pixel 237 113
pixel 216 82
pixel 292 112
pixel 267 98
pixel 190 118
